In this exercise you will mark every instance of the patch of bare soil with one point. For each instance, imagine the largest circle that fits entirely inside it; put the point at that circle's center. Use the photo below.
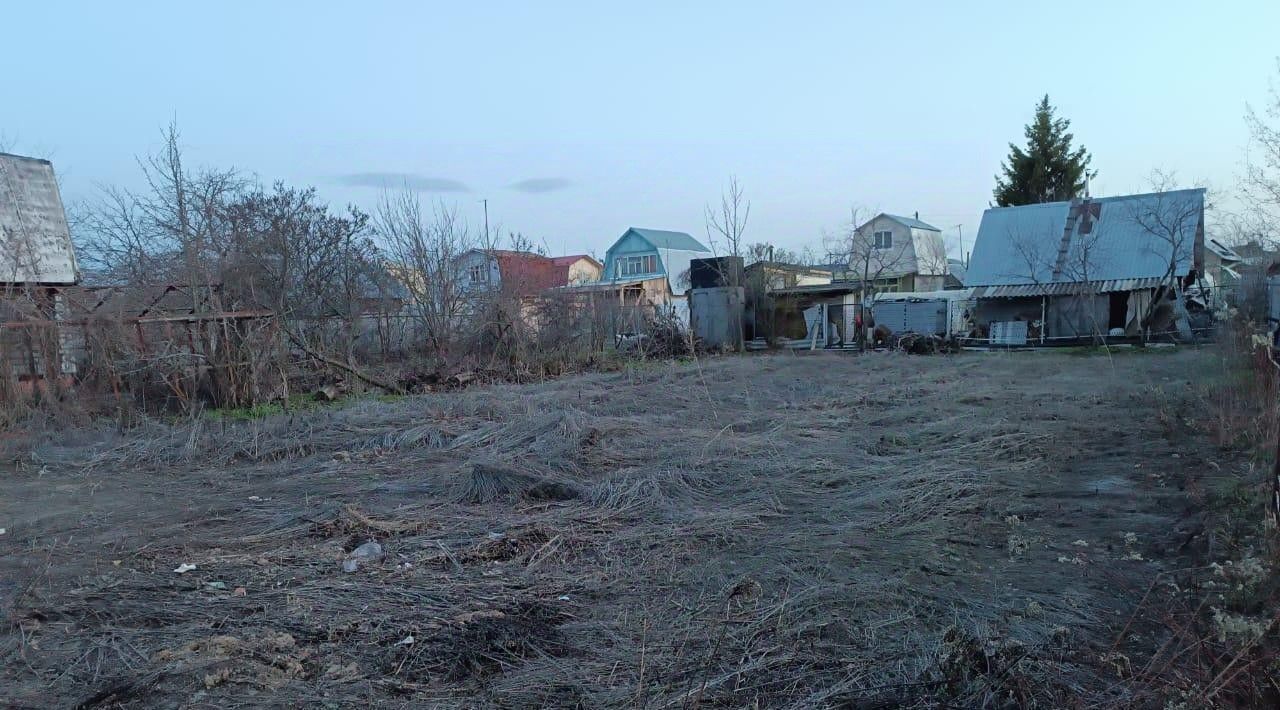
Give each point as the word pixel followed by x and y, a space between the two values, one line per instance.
pixel 781 531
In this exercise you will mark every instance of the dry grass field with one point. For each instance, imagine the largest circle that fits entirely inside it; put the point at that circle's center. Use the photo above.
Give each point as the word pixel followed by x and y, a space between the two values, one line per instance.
pixel 766 531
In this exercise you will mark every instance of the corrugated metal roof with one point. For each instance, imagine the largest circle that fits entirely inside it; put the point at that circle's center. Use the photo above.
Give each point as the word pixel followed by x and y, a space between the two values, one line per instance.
pixel 1065 288
pixel 1023 245
pixel 1223 251
pixel 839 287
pixel 912 222
pixel 962 294
pixel 571 259
pixel 35 242
pixel 604 285
pixel 663 239
pixel 528 274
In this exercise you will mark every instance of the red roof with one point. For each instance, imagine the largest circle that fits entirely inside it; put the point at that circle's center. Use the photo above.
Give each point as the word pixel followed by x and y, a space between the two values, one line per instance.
pixel 528 274
pixel 572 259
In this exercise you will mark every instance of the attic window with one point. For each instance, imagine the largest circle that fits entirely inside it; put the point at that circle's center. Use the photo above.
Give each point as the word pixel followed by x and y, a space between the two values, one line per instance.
pixel 478 273
pixel 884 240
pixel 634 265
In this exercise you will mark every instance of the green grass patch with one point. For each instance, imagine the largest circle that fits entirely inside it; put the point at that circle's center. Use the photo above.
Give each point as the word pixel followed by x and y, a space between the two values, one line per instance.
pixel 297 403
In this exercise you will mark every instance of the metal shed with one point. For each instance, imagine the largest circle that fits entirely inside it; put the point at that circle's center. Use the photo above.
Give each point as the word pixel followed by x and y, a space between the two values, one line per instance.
pixel 924 312
pixel 926 317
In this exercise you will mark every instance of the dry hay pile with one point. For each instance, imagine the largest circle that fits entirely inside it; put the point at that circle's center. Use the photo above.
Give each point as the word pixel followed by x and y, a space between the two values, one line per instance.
pixel 746 531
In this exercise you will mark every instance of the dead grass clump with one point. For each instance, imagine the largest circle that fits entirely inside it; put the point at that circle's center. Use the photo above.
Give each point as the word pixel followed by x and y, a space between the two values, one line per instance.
pixel 485 483
pixel 653 491
pixel 355 521
pixel 477 644
pixel 1000 673
pixel 503 547
pixel 269 660
pixel 427 436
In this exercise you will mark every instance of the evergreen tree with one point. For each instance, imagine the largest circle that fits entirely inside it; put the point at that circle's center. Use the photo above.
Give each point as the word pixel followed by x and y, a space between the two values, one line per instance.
pixel 1048 169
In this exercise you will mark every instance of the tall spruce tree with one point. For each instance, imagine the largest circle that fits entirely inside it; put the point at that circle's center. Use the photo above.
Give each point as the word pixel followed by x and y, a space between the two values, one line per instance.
pixel 1048 169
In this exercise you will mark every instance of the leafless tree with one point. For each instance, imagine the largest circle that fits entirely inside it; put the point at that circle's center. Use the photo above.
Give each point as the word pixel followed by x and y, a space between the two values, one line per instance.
pixel 232 245
pixel 1041 261
pixel 426 249
pixel 871 263
pixel 168 233
pixel 764 251
pixel 727 223
pixel 1260 183
pixel 931 255
pixel 1175 226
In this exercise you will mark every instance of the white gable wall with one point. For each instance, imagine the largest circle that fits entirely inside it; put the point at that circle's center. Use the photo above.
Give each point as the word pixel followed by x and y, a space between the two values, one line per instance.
pixel 35 241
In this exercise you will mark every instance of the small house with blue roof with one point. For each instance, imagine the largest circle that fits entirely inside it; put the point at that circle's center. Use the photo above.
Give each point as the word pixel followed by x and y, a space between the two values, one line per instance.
pixel 650 266
pixel 1128 265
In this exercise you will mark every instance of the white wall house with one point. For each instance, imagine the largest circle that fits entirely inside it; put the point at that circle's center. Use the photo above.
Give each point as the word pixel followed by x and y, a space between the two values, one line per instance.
pixel 35 241
pixel 909 254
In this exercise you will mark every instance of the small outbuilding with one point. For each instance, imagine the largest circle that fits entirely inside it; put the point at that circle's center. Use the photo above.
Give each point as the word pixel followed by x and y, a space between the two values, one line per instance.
pixel 37 259
pixel 1090 268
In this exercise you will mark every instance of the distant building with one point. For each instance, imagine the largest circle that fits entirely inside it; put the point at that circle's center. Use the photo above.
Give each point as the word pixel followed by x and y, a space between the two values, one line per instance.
pixel 35 241
pixel 1090 267
pixel 514 273
pixel 768 316
pixel 579 268
pixel 956 272
pixel 650 267
pixel 1221 265
pixel 909 256
pixel 36 259
pixel 772 275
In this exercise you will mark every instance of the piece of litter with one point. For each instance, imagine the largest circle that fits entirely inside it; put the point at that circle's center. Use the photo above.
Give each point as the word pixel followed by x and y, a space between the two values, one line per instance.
pixel 1177 456
pixel 184 568
pixel 239 592
pixel 216 585
pixel 563 597
pixel 406 641
pixel 255 497
pixel 368 551
pixel 1081 543
pixel 3 531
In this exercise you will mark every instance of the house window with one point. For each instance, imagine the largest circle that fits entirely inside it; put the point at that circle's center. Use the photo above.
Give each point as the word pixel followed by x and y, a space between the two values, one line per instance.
pixel 634 265
pixel 478 273
pixel 887 285
pixel 884 240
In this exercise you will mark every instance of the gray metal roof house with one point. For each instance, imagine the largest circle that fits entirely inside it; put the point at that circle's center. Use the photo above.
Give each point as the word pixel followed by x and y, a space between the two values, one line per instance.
pixel 1087 267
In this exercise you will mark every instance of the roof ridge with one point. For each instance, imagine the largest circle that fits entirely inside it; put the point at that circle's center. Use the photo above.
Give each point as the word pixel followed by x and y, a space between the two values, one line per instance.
pixel 1093 198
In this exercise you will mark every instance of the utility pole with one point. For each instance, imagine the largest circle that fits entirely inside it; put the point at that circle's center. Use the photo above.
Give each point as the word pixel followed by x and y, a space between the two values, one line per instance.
pixel 960 228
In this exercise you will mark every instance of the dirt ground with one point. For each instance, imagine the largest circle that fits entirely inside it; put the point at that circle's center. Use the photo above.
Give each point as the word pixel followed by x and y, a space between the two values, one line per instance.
pixel 772 531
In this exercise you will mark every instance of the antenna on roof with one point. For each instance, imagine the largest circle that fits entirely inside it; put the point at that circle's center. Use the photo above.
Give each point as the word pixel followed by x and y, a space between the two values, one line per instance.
pixel 1086 185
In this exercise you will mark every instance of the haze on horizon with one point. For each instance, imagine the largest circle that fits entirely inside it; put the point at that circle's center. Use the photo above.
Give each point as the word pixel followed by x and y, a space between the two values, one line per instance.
pixel 575 120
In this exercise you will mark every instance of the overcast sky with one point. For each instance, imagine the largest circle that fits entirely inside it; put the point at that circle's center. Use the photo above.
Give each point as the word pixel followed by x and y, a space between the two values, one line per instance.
pixel 578 119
